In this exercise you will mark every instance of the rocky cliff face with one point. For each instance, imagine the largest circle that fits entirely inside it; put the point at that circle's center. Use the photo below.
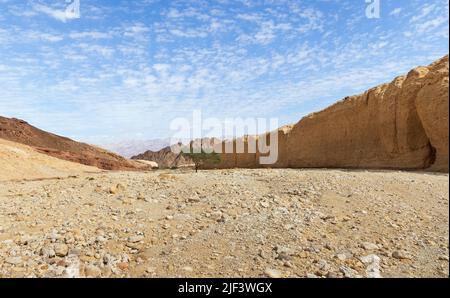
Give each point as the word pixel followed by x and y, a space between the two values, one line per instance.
pixel 19 131
pixel 432 108
pixel 400 125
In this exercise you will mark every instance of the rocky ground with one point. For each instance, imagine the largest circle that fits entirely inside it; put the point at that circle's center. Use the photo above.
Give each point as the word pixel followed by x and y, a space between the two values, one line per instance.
pixel 230 223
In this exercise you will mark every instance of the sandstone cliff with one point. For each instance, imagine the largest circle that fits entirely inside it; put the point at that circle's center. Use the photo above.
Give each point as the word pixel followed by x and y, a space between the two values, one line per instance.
pixel 399 125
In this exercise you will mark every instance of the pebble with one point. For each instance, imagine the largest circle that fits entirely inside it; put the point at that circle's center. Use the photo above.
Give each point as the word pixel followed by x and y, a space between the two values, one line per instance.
pixel 323 265
pixel 61 250
pixel 123 266
pixel 283 253
pixel 73 267
pixel 369 246
pixel 135 239
pixel 14 260
pixel 48 252
pixel 92 271
pixel 272 273
pixel 332 275
pixel 373 265
pixel 401 255
pixel 116 189
pixel 265 204
pixel 348 272
pixel 343 256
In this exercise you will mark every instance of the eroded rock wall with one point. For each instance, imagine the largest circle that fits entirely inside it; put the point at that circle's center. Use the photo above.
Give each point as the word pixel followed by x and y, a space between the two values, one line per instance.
pixel 400 125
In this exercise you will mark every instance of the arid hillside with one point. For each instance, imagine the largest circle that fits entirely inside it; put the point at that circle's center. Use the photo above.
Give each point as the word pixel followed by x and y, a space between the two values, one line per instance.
pixel 19 162
pixel 19 131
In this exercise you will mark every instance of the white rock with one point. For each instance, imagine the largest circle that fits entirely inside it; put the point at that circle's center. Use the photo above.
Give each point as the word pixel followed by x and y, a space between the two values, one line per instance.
pixel 272 273
pixel 373 266
pixel 369 246
pixel 135 239
pixel 401 255
pixel 92 271
pixel 73 270
pixel 14 260
pixel 348 272
pixel 61 250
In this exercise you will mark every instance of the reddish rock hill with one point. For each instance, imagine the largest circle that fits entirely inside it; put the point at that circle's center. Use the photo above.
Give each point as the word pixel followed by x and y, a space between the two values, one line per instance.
pixel 19 131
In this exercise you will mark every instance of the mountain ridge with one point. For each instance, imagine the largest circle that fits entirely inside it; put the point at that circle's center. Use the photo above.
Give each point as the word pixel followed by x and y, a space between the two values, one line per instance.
pixel 20 131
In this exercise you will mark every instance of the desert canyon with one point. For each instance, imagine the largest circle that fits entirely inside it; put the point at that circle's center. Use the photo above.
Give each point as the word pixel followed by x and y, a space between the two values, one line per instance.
pixel 360 189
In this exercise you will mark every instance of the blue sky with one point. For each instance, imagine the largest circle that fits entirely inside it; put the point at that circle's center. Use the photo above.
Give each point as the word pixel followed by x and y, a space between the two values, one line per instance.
pixel 125 69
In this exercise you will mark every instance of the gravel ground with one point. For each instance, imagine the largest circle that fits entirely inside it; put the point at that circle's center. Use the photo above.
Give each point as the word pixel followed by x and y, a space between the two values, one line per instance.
pixel 230 223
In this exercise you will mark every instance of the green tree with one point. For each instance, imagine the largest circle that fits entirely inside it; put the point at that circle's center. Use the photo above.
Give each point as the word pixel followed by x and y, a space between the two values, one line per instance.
pixel 202 158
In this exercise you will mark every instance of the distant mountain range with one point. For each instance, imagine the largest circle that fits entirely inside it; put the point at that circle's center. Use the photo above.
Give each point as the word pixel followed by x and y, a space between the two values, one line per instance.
pixel 131 148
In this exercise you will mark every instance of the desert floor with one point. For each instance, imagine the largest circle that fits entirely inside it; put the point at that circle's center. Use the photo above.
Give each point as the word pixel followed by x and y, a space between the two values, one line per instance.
pixel 230 223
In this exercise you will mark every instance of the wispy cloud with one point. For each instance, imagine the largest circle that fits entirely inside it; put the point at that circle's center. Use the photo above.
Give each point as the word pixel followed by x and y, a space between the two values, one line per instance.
pixel 62 15
pixel 395 12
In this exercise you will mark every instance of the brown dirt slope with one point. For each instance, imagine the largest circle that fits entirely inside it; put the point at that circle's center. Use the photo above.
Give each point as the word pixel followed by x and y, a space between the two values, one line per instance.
pixel 19 131
pixel 19 162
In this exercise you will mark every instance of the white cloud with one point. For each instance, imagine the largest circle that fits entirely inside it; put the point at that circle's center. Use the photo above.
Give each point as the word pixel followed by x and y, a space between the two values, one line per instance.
pixel 425 11
pixel 91 35
pixel 192 33
pixel 136 31
pixel 105 51
pixel 395 12
pixel 60 15
pixel 431 24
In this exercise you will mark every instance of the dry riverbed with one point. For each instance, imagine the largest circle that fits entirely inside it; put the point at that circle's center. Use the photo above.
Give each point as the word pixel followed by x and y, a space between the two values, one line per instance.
pixel 230 223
